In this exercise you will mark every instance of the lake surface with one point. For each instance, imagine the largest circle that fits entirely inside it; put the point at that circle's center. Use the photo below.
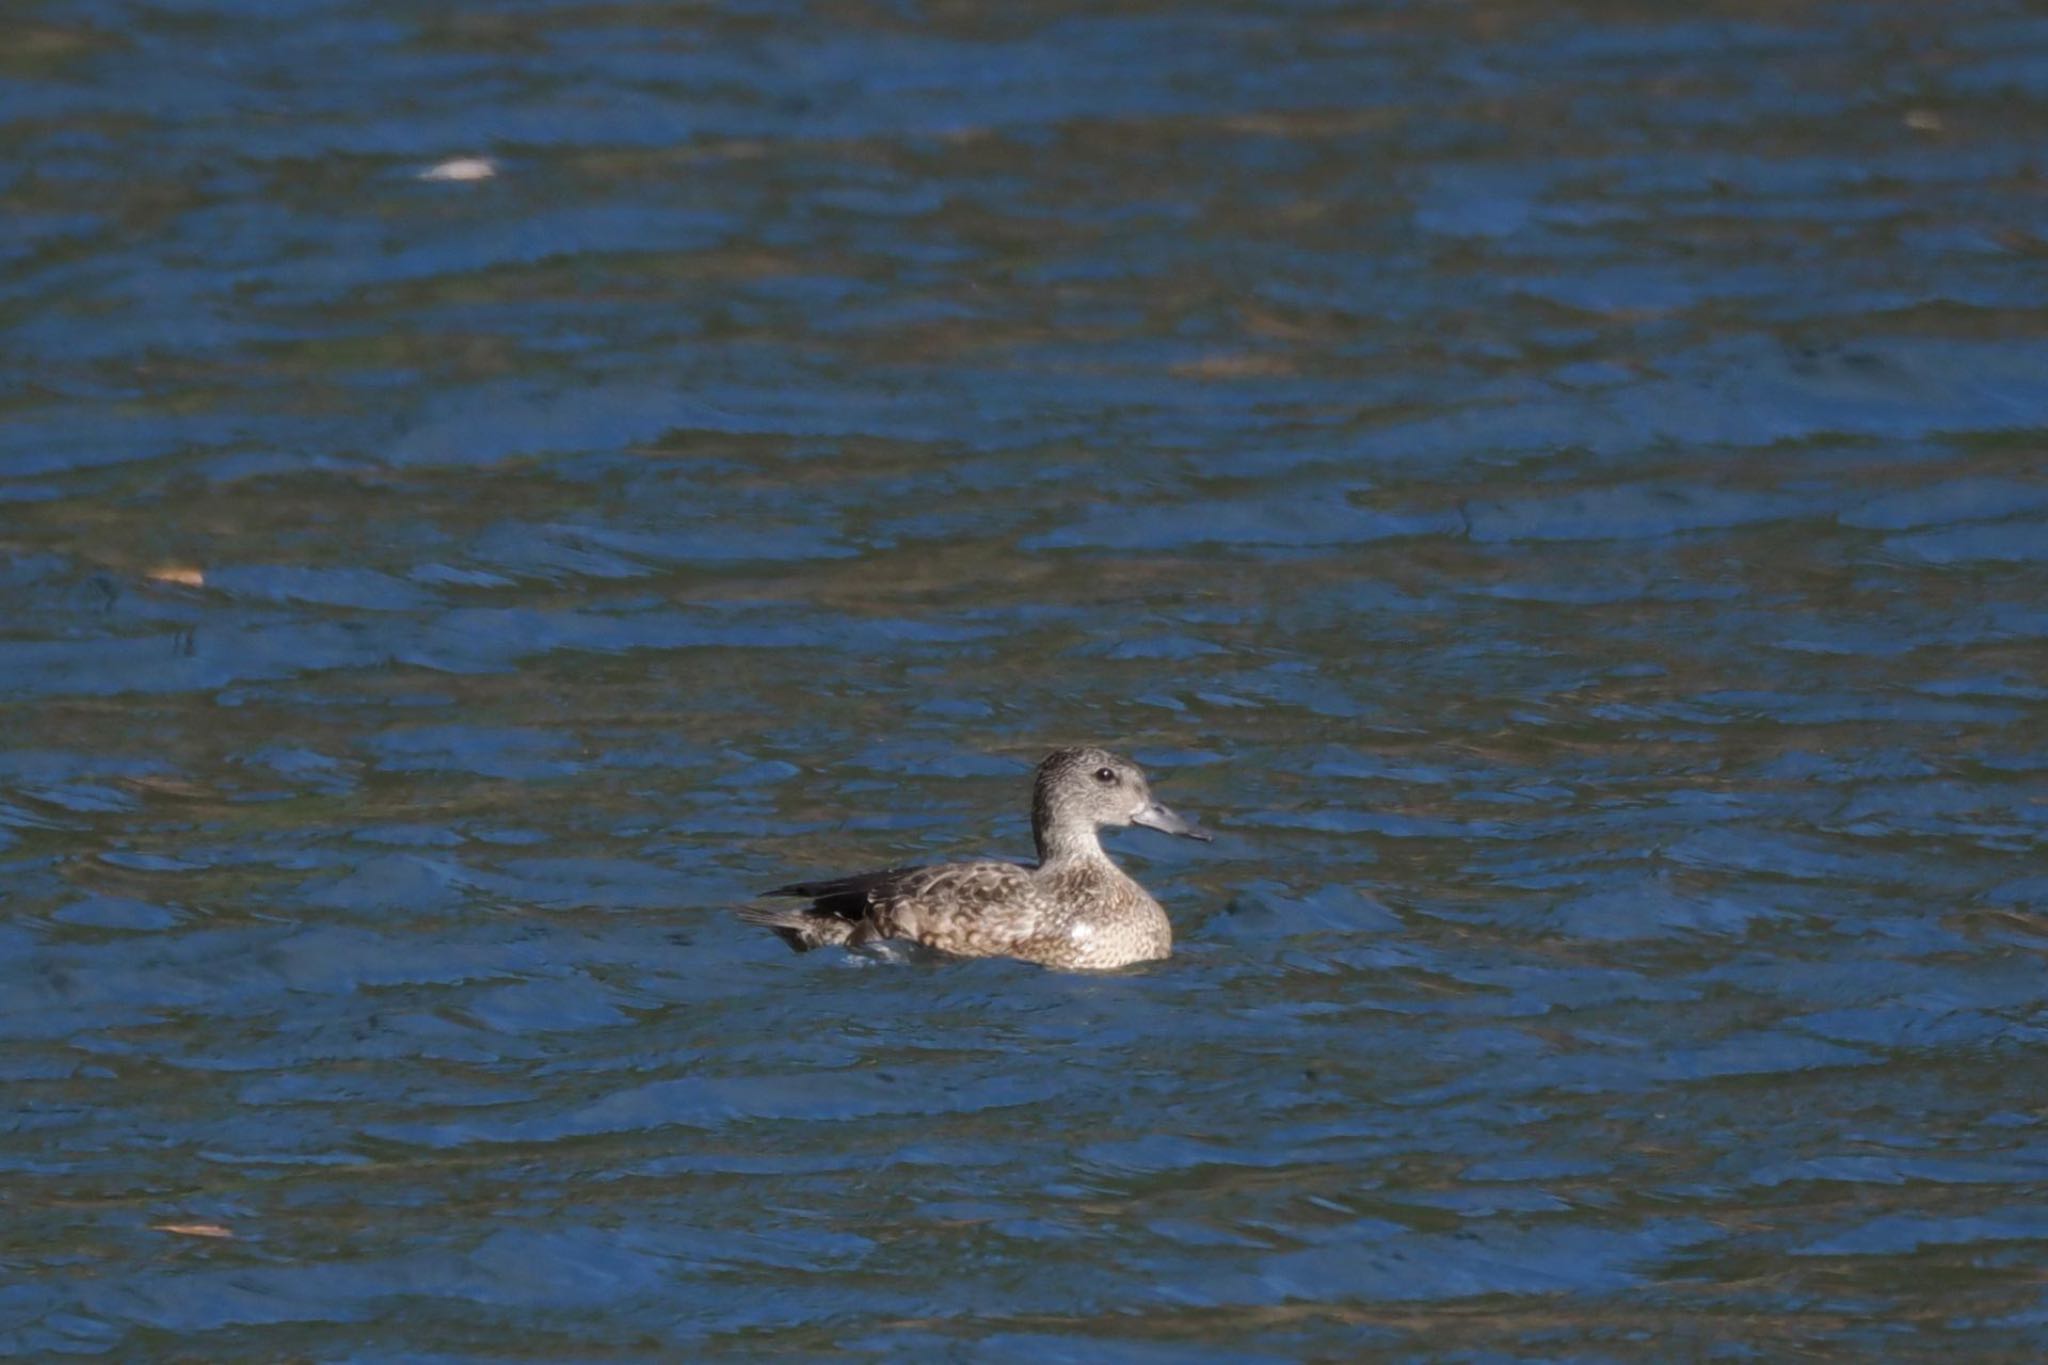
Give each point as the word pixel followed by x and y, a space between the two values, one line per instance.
pixel 1558 489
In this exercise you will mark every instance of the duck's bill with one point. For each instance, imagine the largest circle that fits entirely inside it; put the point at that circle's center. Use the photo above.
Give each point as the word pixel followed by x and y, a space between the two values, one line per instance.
pixel 1156 816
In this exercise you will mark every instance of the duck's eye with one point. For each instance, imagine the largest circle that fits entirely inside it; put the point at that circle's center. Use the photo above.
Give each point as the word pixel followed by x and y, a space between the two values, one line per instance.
pixel 1106 776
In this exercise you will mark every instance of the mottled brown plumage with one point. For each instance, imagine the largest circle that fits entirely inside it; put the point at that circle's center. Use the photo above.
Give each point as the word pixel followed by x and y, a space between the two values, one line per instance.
pixel 1075 909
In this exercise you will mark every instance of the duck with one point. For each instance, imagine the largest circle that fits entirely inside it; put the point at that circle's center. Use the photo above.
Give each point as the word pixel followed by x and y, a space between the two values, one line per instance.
pixel 1074 909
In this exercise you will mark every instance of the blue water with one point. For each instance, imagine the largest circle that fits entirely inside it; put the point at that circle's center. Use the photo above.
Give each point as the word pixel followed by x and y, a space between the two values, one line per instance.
pixel 1558 490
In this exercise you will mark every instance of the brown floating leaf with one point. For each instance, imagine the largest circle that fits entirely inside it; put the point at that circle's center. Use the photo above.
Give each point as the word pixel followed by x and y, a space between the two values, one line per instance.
pixel 184 575
pixel 192 1229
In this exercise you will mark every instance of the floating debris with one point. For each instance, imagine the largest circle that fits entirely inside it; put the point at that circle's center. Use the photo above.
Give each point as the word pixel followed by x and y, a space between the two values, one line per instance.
pixel 182 575
pixel 193 1230
pixel 462 168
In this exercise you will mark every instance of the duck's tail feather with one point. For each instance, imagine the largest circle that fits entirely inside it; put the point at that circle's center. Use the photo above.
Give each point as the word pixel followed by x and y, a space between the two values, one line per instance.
pixel 802 930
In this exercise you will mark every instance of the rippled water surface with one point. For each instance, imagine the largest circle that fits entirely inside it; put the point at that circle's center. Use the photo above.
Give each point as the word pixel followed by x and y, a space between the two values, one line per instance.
pixel 1557 488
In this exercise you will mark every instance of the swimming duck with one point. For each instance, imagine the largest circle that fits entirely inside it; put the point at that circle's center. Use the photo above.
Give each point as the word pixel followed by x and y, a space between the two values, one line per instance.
pixel 1076 909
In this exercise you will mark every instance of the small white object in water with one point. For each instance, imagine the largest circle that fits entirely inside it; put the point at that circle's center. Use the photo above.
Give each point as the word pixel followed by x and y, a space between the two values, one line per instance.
pixel 462 168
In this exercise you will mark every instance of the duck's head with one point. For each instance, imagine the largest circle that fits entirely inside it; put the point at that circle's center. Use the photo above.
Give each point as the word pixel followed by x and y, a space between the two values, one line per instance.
pixel 1096 787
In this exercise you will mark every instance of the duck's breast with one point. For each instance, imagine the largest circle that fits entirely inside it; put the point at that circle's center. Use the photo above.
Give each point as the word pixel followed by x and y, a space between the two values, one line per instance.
pixel 1100 918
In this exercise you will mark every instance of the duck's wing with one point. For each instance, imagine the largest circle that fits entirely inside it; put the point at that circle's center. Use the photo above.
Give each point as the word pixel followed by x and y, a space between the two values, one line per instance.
pixel 839 908
pixel 849 897
pixel 972 909
pixel 969 909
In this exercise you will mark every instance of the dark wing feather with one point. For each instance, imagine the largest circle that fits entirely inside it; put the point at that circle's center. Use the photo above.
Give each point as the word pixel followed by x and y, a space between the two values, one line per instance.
pixel 847 897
